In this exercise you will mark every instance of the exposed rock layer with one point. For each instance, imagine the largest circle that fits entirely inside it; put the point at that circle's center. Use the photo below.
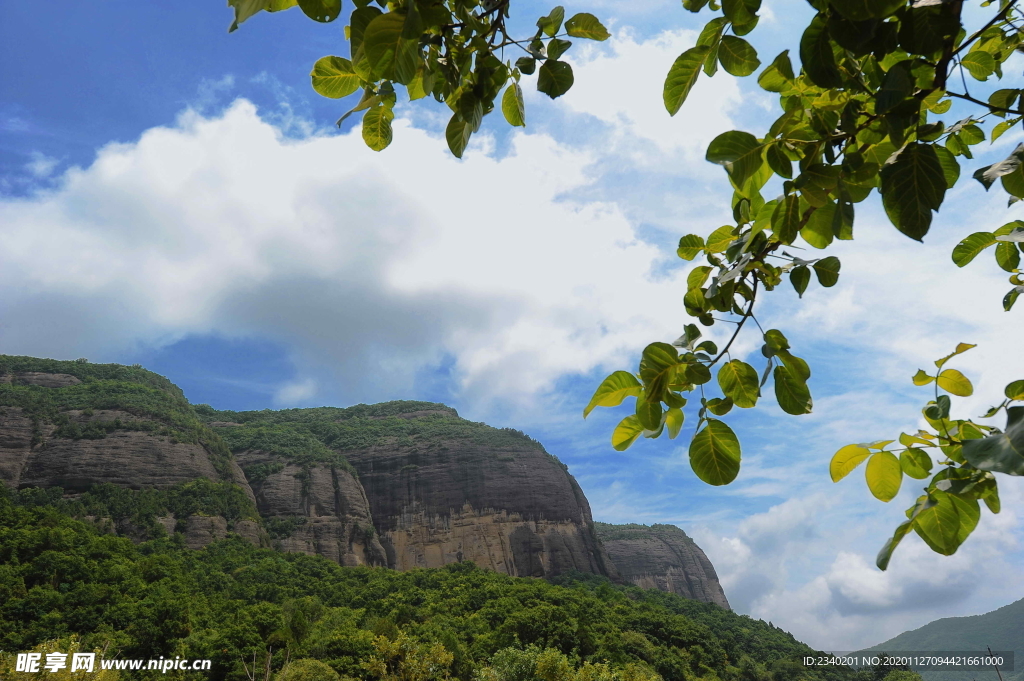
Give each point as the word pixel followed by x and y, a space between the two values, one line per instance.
pixel 662 557
pixel 325 506
pixel 513 509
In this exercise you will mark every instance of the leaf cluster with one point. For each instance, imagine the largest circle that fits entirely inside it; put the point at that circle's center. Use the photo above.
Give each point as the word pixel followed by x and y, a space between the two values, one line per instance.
pixel 451 50
pixel 968 455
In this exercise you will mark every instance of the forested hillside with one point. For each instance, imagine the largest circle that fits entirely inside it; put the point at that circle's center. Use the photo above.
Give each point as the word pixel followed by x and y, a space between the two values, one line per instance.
pixel 230 601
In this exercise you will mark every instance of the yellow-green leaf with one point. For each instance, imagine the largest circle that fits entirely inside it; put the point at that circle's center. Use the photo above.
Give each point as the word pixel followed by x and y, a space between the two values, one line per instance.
pixel 884 475
pixel 915 463
pixel 715 453
pixel 585 25
pixel 377 127
pixel 626 433
pixel 921 378
pixel 952 381
pixel 690 246
pixel 681 77
pixel 845 460
pixel 739 381
pixel 960 349
pixel 613 390
pixel 674 422
pixel 333 77
pixel 512 106
pixel 1015 391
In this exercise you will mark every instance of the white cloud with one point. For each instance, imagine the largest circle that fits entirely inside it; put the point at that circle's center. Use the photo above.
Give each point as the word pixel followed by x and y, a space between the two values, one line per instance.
pixel 369 264
pixel 40 165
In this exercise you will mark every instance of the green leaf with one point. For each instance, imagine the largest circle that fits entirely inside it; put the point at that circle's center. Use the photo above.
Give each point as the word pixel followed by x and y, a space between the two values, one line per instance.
pixel 827 271
pixel 778 161
pixel 584 25
pixel 1003 126
pixel 738 381
pixel 884 476
pixel 921 378
pixel 885 555
pixel 950 167
pixel 791 391
pixel 552 22
pixel 711 37
pixel 512 106
pixel 845 460
pixel 989 174
pixel 527 65
pixel 626 433
pixel 796 366
pixel 682 76
pixel 617 387
pixel 897 85
pixel 377 127
pixel 952 381
pixel 457 134
pixel 786 219
pixel 1014 391
pixel 1011 297
pixel 1000 452
pixel 1007 256
pixel 649 412
pixel 939 525
pixel 696 373
pixel 323 11
pixel 358 22
pixel 775 341
pixel 554 78
pixel 715 453
pixel 968 249
pixel 674 422
pixel 862 10
pixel 737 56
pixel 912 188
pixel 739 152
pixel 246 8
pixel 816 55
pixel 980 64
pixel 916 464
pixel 657 369
pixel 382 41
pixel 690 246
pixel 557 47
pixel 800 277
pixel 778 77
pixel 333 77
pixel 719 240
pixel 719 406
pixel 817 231
pixel 969 512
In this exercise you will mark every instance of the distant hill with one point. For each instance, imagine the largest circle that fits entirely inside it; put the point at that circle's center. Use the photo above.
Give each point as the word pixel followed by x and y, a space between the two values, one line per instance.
pixel 1001 629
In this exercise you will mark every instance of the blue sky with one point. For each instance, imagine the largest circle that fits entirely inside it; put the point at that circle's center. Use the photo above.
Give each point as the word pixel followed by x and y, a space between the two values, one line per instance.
pixel 176 196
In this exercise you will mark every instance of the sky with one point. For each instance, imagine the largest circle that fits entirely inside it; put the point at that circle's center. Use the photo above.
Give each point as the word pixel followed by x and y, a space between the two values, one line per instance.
pixel 179 197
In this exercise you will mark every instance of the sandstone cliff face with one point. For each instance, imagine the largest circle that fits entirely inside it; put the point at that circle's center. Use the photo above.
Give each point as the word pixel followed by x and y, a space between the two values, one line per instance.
pixel 662 557
pixel 129 458
pixel 511 508
pixel 323 508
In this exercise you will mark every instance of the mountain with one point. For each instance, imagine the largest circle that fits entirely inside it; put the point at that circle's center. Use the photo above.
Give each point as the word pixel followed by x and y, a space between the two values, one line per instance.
pixel 1000 630
pixel 401 484
pixel 662 557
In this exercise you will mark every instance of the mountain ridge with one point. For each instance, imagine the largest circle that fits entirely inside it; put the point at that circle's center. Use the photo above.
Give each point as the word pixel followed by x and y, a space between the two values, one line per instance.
pixel 401 484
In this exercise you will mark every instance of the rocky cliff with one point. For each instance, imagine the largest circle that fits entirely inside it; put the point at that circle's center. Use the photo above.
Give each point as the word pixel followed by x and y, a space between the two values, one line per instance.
pixel 662 557
pixel 442 489
pixel 401 484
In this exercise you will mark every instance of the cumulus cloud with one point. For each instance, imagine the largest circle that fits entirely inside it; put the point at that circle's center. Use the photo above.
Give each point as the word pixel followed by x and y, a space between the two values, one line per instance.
pixel 371 265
